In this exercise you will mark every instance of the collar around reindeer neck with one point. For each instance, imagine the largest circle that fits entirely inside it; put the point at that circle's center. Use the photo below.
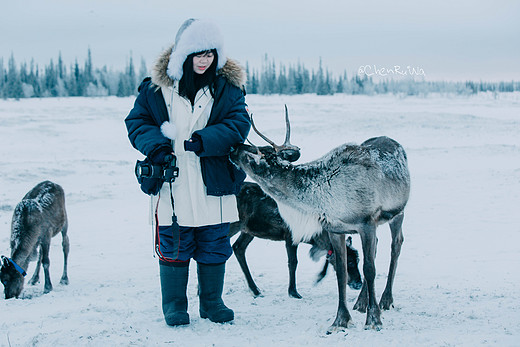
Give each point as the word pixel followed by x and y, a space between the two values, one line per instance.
pixel 16 266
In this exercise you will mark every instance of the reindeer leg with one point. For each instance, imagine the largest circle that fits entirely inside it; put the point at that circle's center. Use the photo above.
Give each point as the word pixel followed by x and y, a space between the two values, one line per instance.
pixel 369 242
pixel 239 248
pixel 362 300
pixel 396 229
pixel 340 251
pixel 292 256
pixel 36 276
pixel 46 264
pixel 354 277
pixel 65 244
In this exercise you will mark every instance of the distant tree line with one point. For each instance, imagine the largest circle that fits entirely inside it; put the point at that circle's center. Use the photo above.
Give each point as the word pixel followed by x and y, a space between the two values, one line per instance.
pixel 297 79
pixel 59 80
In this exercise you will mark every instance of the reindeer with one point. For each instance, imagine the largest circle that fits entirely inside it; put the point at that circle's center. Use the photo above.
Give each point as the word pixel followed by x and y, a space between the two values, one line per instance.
pixel 351 189
pixel 259 217
pixel 36 219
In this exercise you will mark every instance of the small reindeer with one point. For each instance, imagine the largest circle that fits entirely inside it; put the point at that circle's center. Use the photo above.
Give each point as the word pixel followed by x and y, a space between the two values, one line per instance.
pixel 36 219
pixel 259 217
pixel 351 189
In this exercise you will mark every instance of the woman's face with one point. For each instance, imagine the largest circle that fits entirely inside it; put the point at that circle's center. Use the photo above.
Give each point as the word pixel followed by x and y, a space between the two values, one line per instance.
pixel 202 62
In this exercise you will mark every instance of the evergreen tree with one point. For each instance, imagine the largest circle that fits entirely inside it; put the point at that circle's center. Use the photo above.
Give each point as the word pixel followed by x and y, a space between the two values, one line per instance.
pixel 78 81
pixel 60 67
pixel 87 73
pixel 320 81
pixel 298 80
pixel 291 81
pixel 248 79
pixel 323 81
pixel 123 86
pixel 143 71
pixel 13 87
pixel 131 83
pixel 254 83
pixel 102 78
pixel 268 80
pixel 71 80
pixel 51 80
pixel 282 81
pixel 3 78
pixel 34 76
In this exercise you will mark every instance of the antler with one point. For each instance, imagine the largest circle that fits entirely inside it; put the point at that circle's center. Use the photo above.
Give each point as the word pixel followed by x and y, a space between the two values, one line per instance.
pixel 287 143
pixel 262 135
pixel 288 129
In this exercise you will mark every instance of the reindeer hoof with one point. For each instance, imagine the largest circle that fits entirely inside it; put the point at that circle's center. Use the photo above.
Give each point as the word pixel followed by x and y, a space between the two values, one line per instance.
pixel 258 295
pixel 386 302
pixel 256 292
pixel 386 305
pixel 34 281
pixel 374 319
pixel 361 306
pixel 376 327
pixel 64 281
pixel 295 294
pixel 333 329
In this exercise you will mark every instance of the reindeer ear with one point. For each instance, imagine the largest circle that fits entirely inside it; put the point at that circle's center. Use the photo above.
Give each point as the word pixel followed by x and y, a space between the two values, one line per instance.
pixel 5 261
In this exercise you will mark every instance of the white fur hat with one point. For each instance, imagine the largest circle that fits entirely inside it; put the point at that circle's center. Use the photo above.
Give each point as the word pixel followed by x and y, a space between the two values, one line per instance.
pixel 195 35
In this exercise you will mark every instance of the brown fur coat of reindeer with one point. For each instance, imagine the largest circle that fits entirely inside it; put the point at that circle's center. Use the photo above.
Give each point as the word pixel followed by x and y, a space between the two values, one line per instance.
pixel 351 189
pixel 259 217
pixel 36 219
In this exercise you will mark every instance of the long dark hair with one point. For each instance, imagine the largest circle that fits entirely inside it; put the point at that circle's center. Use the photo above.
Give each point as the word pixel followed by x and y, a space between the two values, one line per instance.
pixel 191 82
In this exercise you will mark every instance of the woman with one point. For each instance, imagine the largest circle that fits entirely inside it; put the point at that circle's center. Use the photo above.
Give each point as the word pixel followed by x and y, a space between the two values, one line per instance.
pixel 193 107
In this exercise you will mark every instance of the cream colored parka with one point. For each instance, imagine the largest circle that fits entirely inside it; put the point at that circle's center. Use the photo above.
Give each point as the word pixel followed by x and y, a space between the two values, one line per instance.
pixel 193 207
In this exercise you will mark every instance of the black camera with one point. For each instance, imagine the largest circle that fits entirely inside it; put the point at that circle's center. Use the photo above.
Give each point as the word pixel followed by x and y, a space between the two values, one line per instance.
pixel 167 172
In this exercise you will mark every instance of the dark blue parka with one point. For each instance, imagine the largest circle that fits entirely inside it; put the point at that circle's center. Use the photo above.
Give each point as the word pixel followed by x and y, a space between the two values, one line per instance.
pixel 228 125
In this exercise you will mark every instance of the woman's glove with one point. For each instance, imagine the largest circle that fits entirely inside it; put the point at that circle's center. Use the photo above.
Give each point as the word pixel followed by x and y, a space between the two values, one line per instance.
pixel 194 145
pixel 161 156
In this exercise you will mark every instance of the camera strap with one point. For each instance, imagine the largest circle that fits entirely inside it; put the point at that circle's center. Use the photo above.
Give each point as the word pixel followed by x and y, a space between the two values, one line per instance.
pixel 174 217
pixel 167 240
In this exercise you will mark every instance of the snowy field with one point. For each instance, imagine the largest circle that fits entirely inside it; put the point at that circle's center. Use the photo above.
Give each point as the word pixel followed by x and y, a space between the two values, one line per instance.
pixel 458 279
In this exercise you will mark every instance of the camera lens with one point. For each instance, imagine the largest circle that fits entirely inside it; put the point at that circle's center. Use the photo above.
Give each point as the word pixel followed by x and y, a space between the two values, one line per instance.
pixel 144 171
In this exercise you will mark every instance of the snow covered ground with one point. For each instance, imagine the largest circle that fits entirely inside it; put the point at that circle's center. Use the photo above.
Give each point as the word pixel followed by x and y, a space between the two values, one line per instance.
pixel 458 277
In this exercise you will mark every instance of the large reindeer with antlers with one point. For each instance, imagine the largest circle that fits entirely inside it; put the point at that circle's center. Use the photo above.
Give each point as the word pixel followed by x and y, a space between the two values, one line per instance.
pixel 351 189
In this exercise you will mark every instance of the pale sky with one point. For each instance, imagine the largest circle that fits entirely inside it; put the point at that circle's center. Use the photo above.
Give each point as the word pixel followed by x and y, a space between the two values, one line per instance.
pixel 452 40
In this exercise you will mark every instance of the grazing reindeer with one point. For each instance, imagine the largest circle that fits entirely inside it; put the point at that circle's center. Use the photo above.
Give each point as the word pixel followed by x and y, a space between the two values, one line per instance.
pixel 351 189
pixel 259 217
pixel 36 219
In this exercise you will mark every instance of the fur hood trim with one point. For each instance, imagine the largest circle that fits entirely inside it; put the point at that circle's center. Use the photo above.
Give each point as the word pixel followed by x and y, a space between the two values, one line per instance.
pixel 231 71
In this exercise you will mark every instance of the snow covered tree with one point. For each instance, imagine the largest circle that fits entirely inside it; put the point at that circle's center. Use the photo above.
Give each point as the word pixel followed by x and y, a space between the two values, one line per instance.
pixel 87 72
pixel 143 71
pixel 13 86
pixel 3 78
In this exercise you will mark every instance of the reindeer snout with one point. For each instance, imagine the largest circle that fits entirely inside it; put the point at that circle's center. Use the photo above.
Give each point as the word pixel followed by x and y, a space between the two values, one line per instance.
pixel 291 155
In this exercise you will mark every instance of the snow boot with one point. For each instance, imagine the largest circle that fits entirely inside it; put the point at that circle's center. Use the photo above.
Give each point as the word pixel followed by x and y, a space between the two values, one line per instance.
pixel 174 280
pixel 211 284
